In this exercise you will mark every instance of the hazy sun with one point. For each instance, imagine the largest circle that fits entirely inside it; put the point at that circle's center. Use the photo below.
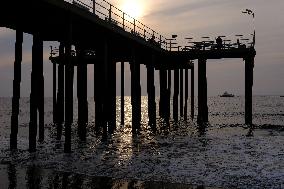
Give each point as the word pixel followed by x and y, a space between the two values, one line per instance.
pixel 134 8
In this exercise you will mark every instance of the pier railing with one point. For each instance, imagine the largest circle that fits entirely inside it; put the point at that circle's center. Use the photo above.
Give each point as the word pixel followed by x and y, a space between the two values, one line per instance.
pixel 115 16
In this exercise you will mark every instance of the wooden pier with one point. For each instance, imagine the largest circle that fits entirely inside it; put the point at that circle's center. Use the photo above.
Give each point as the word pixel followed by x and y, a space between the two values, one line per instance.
pixel 103 41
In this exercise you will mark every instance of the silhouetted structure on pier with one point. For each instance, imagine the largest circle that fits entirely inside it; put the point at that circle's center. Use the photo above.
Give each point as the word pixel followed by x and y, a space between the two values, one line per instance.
pixel 103 38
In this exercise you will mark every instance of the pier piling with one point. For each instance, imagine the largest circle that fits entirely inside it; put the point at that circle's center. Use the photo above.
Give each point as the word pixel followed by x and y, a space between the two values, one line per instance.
pixel 202 92
pixel 69 74
pixel 151 94
pixel 192 92
pixel 98 94
pixel 163 94
pixel 135 94
pixel 176 94
pixel 36 107
pixel 181 93
pixel 112 96
pixel 60 92
pixel 16 90
pixel 249 65
pixel 82 95
pixel 185 93
pixel 54 79
pixel 169 91
pixel 122 103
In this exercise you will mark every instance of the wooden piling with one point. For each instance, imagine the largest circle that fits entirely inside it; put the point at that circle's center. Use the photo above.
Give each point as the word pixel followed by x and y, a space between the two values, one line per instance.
pixel 82 95
pixel 181 93
pixel 98 94
pixel 16 90
pixel 185 93
pixel 105 88
pixel 122 103
pixel 135 94
pixel 36 92
pixel 69 73
pixel 54 78
pixel 176 94
pixel 60 92
pixel 249 65
pixel 163 94
pixel 112 96
pixel 40 88
pixel 202 92
pixel 169 93
pixel 151 93
pixel 192 93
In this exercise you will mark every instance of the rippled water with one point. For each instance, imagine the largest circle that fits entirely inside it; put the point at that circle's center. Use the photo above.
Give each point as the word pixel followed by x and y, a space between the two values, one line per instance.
pixel 221 156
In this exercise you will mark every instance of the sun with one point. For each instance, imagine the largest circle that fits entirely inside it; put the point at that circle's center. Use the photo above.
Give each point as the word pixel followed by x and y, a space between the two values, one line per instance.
pixel 133 8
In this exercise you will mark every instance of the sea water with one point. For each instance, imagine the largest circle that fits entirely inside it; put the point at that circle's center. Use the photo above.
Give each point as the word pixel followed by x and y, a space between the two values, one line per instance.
pixel 227 154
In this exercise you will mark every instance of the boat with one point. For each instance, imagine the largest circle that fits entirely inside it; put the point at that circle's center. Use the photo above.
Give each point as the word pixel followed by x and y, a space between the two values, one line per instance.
pixel 282 96
pixel 226 94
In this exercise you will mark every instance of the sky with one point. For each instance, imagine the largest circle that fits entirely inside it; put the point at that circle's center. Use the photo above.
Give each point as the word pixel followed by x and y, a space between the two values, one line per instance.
pixel 185 18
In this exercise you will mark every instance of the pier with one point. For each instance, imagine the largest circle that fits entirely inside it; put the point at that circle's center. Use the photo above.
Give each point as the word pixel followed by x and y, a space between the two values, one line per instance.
pixel 102 35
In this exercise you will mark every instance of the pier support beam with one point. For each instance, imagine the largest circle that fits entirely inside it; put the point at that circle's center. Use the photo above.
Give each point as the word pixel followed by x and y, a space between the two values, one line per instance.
pixel 249 65
pixel 169 93
pixel 16 90
pixel 54 72
pixel 181 93
pixel 163 94
pixel 112 96
pixel 82 95
pixel 122 102
pixel 98 93
pixel 151 94
pixel 192 93
pixel 185 93
pixel 36 96
pixel 176 94
pixel 135 94
pixel 60 92
pixel 69 75
pixel 202 92
pixel 40 88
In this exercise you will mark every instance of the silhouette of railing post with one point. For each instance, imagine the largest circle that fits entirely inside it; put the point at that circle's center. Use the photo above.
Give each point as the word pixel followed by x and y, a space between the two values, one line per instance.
pixel 122 102
pixel 60 92
pixel 123 20
pixel 181 93
pixel 94 6
pixel 16 90
pixel 186 93
pixel 176 94
pixel 135 93
pixel 109 12
pixel 192 92
pixel 36 92
pixel 202 92
pixel 69 74
pixel 249 65
pixel 82 94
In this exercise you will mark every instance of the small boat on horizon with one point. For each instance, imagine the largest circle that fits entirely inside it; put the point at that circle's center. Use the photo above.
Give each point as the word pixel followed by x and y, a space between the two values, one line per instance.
pixel 281 96
pixel 226 94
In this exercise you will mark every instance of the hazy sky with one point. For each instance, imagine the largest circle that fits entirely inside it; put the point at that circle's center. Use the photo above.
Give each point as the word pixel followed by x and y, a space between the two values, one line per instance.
pixel 187 18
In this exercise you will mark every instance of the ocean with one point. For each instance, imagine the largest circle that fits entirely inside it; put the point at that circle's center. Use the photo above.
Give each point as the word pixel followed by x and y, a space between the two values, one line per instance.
pixel 227 154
